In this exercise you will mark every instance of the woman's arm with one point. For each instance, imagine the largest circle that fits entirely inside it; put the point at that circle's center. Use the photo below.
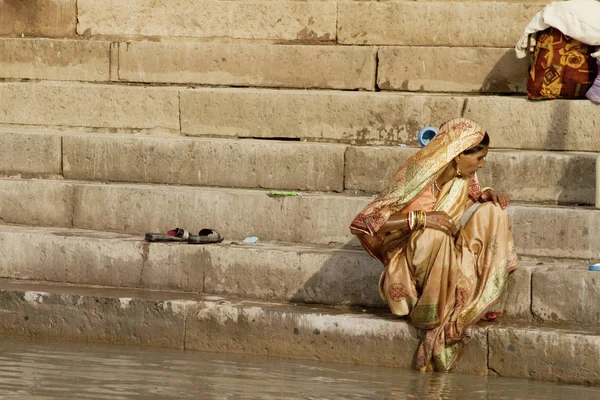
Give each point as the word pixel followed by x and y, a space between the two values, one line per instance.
pixel 434 219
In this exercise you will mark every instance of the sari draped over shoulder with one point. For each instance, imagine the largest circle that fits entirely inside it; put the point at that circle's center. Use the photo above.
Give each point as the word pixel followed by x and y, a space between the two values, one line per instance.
pixel 443 284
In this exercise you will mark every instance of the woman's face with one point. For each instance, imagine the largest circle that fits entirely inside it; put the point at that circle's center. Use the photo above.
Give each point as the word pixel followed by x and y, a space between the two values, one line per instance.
pixel 468 164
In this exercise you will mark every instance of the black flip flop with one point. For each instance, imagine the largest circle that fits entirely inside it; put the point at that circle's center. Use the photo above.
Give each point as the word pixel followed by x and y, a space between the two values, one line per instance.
pixel 174 235
pixel 205 236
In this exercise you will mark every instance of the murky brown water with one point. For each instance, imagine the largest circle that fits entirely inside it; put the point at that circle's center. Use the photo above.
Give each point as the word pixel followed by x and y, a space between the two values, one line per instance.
pixel 66 371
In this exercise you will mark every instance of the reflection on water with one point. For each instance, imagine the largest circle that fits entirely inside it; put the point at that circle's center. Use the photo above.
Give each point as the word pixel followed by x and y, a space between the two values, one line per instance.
pixel 68 371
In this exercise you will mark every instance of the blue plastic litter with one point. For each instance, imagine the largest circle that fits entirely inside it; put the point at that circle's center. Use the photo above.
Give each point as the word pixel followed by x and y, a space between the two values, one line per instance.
pixel 426 134
pixel 251 239
pixel 594 267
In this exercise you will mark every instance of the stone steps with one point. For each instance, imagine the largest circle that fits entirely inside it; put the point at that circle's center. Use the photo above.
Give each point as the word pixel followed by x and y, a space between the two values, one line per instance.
pixel 331 116
pixel 396 23
pixel 527 176
pixel 312 218
pixel 477 69
pixel 225 324
pixel 267 271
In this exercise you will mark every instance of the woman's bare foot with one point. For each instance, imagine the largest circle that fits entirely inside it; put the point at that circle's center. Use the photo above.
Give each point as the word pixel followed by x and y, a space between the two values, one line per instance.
pixel 492 316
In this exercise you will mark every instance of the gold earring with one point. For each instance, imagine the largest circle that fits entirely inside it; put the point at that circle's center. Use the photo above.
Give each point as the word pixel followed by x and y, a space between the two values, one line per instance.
pixel 458 174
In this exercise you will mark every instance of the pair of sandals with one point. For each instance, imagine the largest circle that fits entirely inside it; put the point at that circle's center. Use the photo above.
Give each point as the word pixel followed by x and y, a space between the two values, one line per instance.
pixel 205 236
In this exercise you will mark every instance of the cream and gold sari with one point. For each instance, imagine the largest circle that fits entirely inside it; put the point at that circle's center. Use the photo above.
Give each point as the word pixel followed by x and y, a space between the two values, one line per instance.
pixel 443 284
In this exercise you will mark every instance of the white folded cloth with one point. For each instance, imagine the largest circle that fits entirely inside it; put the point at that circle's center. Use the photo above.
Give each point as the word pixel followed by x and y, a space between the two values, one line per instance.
pixel 579 19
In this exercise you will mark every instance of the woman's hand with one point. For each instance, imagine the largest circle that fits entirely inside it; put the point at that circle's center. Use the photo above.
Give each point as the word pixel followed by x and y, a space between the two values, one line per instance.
pixel 498 198
pixel 442 222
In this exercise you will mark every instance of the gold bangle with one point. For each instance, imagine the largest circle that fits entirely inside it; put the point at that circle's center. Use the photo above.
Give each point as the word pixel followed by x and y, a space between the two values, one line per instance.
pixel 486 189
pixel 420 219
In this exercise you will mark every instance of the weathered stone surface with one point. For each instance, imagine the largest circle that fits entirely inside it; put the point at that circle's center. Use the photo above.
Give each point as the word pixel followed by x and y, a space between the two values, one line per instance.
pixel 567 295
pixel 515 301
pixel 448 23
pixel 300 332
pixel 94 106
pixel 93 315
pixel 98 258
pixel 545 354
pixel 176 266
pixel 548 125
pixel 329 67
pixel 451 69
pixel 45 18
pixel 333 277
pixel 30 154
pixel 530 176
pixel 236 214
pixel 534 176
pixel 556 231
pixel 45 203
pixel 58 60
pixel 546 231
pixel 474 356
pixel 370 168
pixel 303 274
pixel 214 162
pixel 341 116
pixel 210 19
pixel 70 256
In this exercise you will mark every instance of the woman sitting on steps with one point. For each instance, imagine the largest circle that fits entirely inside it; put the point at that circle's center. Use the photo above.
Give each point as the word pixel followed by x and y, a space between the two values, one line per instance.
pixel 443 276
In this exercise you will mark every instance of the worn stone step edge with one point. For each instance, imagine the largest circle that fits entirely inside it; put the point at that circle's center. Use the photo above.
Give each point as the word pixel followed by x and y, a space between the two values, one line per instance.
pixel 539 231
pixel 346 22
pixel 328 116
pixel 529 176
pixel 267 271
pixel 224 324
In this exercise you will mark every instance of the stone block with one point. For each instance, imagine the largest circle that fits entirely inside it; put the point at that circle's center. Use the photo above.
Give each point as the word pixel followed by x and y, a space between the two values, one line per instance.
pixel 515 301
pixel 451 69
pixel 370 168
pixel 174 266
pixel 92 315
pixel 568 295
pixel 300 332
pixel 542 177
pixel 45 18
pixel 452 24
pixel 329 67
pixel 474 355
pixel 73 256
pixel 210 19
pixel 518 123
pixel 214 162
pixel 531 176
pixel 557 232
pixel 57 60
pixel 270 272
pixel 29 153
pixel 45 203
pixel 90 106
pixel 545 354
pixel 323 115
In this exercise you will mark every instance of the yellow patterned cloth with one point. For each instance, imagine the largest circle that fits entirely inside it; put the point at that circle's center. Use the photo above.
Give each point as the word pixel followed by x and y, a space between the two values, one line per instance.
pixel 443 284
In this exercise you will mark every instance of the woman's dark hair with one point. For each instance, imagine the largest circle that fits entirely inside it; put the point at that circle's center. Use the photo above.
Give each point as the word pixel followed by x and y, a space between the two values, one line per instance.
pixel 485 142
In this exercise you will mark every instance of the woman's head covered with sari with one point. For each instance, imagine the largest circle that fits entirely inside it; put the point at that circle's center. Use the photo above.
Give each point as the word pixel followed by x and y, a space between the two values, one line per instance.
pixel 418 173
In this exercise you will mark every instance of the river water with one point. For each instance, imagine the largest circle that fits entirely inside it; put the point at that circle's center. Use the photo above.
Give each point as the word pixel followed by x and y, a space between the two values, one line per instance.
pixel 69 371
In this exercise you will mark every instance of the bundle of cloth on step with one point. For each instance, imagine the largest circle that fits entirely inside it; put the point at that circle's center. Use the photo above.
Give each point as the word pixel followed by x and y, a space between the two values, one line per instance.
pixel 563 39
